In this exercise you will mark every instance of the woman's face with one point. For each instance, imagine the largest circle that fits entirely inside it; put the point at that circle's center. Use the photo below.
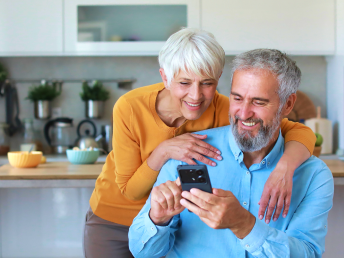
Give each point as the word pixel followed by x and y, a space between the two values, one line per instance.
pixel 191 95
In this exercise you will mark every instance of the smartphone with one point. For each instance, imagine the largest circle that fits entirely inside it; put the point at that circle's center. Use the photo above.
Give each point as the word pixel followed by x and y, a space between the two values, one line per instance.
pixel 194 176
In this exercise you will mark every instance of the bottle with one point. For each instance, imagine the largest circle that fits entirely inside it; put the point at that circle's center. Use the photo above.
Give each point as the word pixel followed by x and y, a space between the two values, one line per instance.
pixel 29 136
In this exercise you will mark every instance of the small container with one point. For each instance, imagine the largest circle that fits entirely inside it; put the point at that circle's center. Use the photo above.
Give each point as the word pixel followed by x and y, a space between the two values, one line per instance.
pixel 94 108
pixel 24 159
pixel 82 156
pixel 42 109
pixel 4 139
pixel 29 136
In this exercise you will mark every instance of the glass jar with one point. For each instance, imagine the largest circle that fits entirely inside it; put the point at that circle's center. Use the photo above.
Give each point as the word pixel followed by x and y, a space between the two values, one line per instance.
pixel 29 136
pixel 4 139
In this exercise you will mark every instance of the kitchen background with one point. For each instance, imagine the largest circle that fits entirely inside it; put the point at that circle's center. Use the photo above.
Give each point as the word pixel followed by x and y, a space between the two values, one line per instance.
pixel 143 69
pixel 67 39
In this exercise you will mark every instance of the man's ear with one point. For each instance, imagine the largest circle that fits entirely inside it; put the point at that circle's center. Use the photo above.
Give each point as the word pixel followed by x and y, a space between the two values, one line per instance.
pixel 288 106
pixel 163 77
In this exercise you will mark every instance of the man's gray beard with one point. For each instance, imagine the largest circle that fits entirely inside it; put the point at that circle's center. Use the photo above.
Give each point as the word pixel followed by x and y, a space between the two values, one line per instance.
pixel 248 143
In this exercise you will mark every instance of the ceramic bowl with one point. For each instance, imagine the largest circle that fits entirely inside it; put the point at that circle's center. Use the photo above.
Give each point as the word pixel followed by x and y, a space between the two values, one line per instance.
pixel 82 156
pixel 24 159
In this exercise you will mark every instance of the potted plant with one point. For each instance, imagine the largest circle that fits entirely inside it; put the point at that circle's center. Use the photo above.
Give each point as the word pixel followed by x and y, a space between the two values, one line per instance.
pixel 42 95
pixel 94 97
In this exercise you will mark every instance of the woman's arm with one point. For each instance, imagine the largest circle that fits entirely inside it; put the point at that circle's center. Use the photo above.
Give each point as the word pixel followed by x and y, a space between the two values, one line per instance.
pixel 299 146
pixel 134 176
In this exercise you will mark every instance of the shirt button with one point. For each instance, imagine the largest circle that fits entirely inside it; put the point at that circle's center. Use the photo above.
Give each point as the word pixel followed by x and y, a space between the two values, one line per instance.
pixel 247 173
pixel 143 242
pixel 152 228
pixel 268 163
pixel 263 162
pixel 247 246
pixel 244 203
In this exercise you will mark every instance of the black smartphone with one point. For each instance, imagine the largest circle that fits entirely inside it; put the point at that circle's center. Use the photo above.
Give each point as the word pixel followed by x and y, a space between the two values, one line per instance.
pixel 194 176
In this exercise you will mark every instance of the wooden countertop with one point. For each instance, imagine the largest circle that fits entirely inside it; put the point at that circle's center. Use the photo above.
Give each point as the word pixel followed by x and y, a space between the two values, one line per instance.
pixel 66 170
pixel 52 170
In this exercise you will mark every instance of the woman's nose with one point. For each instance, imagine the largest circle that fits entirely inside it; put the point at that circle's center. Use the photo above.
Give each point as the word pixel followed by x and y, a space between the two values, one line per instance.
pixel 195 92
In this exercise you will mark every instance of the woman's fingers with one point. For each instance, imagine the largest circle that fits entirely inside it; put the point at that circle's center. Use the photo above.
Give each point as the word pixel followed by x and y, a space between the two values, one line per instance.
pixel 204 144
pixel 279 208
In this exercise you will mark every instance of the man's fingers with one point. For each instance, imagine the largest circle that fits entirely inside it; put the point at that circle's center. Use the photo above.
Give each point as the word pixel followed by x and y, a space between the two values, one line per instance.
pixel 198 201
pixel 194 208
pixel 159 198
pixel 222 193
pixel 177 182
pixel 207 197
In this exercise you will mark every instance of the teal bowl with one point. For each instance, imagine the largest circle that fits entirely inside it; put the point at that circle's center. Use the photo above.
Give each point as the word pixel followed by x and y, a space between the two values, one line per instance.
pixel 82 157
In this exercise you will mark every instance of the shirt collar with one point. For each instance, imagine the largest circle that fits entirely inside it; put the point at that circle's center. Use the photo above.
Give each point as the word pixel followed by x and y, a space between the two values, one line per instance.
pixel 268 160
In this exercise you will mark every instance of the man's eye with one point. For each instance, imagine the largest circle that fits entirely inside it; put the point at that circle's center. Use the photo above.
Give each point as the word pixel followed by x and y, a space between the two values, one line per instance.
pixel 259 103
pixel 208 83
pixel 237 99
pixel 184 83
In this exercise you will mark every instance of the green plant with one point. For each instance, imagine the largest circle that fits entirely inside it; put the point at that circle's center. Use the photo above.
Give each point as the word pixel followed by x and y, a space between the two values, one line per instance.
pixel 3 73
pixel 95 92
pixel 44 91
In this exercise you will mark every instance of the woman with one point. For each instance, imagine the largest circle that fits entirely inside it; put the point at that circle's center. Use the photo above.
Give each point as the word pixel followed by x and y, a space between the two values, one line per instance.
pixel 152 124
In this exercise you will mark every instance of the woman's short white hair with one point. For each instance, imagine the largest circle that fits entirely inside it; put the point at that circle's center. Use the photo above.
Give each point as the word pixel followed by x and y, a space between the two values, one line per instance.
pixel 192 50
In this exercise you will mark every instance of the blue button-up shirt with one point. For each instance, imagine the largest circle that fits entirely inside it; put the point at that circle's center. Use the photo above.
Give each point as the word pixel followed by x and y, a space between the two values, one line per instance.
pixel 300 234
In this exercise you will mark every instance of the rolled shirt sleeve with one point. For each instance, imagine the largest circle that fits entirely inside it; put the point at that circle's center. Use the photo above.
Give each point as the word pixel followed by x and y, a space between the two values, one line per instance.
pixel 305 235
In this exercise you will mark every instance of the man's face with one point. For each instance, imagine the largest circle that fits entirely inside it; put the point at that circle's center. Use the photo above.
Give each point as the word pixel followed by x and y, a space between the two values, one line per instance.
pixel 254 105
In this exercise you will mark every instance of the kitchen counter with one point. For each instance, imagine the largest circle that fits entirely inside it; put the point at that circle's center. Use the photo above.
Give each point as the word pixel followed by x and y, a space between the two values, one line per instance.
pixel 64 174
pixel 50 174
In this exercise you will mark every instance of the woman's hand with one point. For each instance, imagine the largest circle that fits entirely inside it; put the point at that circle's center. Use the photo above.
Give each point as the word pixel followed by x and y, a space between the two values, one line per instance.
pixel 185 147
pixel 277 193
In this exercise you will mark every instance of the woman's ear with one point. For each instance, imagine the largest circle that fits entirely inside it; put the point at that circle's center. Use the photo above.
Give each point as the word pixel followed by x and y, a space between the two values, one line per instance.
pixel 288 106
pixel 163 77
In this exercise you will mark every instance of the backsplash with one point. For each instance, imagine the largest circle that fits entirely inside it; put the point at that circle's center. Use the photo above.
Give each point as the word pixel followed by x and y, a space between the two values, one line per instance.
pixel 143 69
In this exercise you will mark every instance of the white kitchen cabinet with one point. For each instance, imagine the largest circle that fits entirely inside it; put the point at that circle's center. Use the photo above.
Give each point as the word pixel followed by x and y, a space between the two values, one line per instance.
pixel 31 27
pixel 125 27
pixel 297 27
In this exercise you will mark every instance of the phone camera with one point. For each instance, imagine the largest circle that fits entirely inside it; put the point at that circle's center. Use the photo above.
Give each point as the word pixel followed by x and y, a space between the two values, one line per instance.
pixel 199 172
pixel 201 179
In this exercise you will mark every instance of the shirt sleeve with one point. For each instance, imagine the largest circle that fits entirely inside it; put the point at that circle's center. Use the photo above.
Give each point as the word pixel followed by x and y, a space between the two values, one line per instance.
pixel 292 131
pixel 305 234
pixel 147 239
pixel 133 176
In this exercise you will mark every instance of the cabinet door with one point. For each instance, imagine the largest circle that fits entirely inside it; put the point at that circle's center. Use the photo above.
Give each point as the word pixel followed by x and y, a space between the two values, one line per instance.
pixel 30 26
pixel 298 27
pixel 125 27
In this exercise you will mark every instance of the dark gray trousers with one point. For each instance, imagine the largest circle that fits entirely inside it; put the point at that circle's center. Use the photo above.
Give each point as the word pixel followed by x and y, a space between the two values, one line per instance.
pixel 105 239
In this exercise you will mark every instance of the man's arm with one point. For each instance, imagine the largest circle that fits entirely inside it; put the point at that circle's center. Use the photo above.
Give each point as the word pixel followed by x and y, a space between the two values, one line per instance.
pixel 305 235
pixel 147 239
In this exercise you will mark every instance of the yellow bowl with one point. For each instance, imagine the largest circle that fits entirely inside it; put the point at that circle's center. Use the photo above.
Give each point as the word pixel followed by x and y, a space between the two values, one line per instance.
pixel 24 159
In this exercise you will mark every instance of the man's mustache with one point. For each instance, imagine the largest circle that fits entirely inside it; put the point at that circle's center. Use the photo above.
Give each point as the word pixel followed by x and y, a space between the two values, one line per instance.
pixel 250 120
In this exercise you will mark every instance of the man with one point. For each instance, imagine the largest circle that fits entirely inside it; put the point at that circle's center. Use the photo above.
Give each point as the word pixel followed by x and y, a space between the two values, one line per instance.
pixel 222 224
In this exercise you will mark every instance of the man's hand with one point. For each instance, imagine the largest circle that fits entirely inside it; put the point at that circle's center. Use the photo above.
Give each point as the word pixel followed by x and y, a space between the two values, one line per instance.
pixel 165 202
pixel 219 210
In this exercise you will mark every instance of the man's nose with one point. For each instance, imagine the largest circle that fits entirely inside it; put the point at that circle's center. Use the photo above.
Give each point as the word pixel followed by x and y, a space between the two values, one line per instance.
pixel 195 92
pixel 246 111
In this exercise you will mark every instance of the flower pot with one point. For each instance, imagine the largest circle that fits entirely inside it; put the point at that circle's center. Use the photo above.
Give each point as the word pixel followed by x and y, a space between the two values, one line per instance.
pixel 42 109
pixel 94 108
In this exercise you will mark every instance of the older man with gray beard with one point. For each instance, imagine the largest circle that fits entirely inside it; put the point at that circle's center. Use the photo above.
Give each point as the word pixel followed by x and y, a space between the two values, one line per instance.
pixel 222 224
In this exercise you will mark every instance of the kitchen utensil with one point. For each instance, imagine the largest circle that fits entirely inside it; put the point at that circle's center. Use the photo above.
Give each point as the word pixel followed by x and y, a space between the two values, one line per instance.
pixel 4 139
pixel 103 139
pixel 82 156
pixel 24 159
pixel 42 109
pixel 94 108
pixel 29 141
pixel 61 134
pixel 87 140
pixel 12 107
pixel 324 127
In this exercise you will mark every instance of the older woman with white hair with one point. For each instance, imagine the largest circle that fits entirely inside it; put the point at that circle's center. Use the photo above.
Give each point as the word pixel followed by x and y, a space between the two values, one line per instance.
pixel 154 123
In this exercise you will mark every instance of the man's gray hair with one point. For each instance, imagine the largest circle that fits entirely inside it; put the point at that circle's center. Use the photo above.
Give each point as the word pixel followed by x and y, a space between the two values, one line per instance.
pixel 192 50
pixel 285 69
